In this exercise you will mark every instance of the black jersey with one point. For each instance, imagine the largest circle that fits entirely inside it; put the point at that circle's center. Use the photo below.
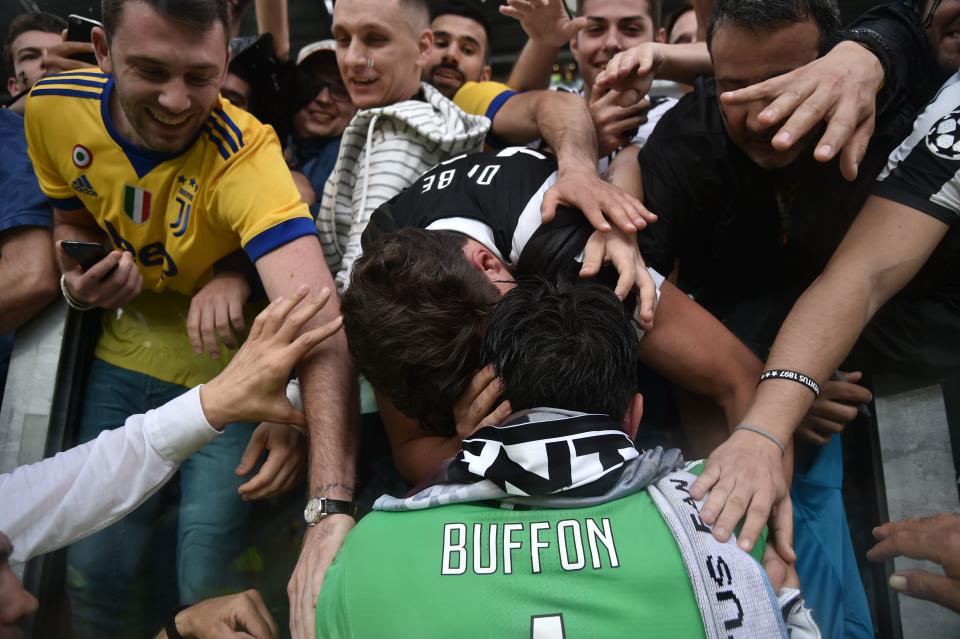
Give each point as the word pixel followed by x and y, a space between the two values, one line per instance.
pixel 924 172
pixel 494 199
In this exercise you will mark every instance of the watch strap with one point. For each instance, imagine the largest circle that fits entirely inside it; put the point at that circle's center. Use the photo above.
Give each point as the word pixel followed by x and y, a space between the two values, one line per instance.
pixel 338 507
pixel 170 627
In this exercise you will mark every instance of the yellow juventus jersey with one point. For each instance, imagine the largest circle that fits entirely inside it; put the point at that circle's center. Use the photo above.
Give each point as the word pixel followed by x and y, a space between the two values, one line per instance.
pixel 484 98
pixel 176 213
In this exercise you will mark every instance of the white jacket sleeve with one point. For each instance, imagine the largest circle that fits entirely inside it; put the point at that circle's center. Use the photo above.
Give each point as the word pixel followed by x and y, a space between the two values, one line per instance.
pixel 390 162
pixel 54 502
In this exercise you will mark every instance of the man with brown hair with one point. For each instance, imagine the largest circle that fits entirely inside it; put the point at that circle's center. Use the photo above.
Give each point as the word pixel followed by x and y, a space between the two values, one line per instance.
pixel 436 260
pixel 145 153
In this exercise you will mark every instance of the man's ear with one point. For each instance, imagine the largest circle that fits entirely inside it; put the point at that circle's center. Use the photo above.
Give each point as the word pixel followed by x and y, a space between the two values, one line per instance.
pixel 101 47
pixel 12 87
pixel 424 47
pixel 487 73
pixel 661 35
pixel 484 261
pixel 631 420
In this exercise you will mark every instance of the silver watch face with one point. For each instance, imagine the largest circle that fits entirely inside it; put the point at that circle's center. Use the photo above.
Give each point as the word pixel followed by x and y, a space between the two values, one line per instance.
pixel 312 513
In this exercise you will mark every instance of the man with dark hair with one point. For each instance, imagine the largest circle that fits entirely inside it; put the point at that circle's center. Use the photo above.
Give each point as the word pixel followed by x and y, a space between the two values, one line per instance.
pixel 438 256
pixel 143 153
pixel 898 262
pixel 551 517
pixel 461 48
pixel 53 502
pixel 321 111
pixel 748 224
pixel 681 25
pixel 28 37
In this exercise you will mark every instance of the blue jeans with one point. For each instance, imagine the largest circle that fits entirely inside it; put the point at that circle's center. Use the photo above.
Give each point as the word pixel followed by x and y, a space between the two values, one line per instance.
pixel 103 569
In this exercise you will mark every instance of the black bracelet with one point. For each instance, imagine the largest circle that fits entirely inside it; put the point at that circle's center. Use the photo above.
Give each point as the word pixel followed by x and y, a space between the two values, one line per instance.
pixel 170 627
pixel 793 376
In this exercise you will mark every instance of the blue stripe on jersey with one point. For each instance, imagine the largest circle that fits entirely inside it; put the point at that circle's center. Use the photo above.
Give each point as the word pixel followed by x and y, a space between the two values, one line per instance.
pixel 498 102
pixel 277 236
pixel 67 204
pixel 223 134
pixel 69 81
pixel 226 118
pixel 223 151
pixel 493 140
pixel 67 92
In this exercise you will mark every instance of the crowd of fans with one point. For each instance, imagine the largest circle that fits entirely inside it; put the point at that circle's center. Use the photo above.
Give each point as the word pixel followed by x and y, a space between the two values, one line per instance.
pixel 520 273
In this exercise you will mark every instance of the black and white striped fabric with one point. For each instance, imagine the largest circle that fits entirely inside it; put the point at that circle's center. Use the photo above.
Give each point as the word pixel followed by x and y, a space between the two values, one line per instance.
pixel 924 172
pixel 382 151
pixel 525 456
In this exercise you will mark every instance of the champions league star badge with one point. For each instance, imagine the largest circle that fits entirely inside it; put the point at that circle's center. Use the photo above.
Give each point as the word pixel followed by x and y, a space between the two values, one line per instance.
pixel 82 157
pixel 943 140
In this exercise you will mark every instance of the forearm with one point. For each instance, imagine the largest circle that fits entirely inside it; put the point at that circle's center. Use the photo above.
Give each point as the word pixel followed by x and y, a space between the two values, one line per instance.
pixel 332 408
pixel 819 332
pixel 624 171
pixel 22 297
pixel 566 126
pixel 693 350
pixel 327 377
pixel 28 275
pixel 54 502
pixel 684 62
pixel 533 66
pixel 272 19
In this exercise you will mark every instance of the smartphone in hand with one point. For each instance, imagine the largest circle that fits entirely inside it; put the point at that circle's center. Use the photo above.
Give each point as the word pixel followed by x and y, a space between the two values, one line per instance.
pixel 86 254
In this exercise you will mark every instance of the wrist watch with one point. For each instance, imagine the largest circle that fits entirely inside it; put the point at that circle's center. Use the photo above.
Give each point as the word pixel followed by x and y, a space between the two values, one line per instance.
pixel 319 507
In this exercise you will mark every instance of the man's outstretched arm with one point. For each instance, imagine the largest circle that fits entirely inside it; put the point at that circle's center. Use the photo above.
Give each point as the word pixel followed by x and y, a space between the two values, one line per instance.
pixel 883 250
pixel 330 401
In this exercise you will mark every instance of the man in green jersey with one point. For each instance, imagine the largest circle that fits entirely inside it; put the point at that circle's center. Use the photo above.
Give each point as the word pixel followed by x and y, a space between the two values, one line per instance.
pixel 552 524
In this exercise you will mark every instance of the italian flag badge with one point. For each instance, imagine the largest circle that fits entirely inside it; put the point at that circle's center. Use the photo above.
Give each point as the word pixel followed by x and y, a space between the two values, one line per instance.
pixel 136 203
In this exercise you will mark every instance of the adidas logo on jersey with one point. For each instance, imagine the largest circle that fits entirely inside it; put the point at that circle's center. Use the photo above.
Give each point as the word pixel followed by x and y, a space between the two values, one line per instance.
pixel 82 185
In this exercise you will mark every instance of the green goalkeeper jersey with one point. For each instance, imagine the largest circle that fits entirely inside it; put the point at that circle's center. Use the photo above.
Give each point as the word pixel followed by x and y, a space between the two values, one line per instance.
pixel 477 570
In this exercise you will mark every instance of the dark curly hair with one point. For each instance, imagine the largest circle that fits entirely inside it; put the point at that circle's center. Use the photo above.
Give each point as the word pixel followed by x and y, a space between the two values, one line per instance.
pixel 414 314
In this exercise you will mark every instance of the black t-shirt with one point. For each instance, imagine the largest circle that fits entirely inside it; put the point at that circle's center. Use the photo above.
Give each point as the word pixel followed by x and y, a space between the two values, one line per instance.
pixel 745 237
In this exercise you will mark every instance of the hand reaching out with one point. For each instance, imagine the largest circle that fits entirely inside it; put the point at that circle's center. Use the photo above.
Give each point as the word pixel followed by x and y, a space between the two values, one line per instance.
pixel 621 250
pixel 243 616
pixel 216 311
pixel 633 69
pixel 834 408
pixel 253 385
pixel 745 476
pixel 544 21
pixel 599 201
pixel 286 448
pixel 936 539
